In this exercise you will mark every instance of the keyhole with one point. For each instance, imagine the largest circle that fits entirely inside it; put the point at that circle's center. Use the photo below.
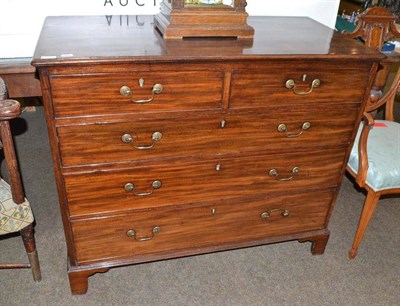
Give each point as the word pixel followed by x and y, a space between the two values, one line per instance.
pixel 141 83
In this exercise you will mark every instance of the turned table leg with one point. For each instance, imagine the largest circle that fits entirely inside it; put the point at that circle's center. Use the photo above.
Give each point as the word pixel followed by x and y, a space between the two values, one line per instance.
pixel 78 280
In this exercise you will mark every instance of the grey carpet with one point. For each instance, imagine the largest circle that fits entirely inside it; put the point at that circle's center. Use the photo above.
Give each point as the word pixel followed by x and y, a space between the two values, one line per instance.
pixel 278 274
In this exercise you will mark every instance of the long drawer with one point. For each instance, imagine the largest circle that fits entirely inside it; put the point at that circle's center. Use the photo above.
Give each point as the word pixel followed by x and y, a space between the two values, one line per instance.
pixel 110 142
pixel 299 83
pixel 136 92
pixel 171 230
pixel 175 182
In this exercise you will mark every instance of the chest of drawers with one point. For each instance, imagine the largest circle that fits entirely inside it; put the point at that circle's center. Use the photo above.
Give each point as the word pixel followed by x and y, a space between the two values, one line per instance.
pixel 165 149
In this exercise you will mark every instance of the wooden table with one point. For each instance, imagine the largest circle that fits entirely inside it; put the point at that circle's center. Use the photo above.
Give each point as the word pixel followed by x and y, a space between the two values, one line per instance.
pixel 20 77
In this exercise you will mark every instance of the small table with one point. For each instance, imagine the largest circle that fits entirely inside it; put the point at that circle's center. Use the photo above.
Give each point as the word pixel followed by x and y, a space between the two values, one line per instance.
pixel 20 78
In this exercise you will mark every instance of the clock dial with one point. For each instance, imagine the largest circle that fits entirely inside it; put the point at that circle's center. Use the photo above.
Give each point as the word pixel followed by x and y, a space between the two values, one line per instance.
pixel 210 1
pixel 215 3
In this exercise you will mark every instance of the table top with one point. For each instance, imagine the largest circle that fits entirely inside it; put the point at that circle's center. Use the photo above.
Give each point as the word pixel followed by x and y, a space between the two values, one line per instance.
pixel 16 65
pixel 71 39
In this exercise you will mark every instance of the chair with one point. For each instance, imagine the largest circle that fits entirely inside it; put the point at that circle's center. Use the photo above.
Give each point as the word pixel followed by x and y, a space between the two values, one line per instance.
pixel 375 160
pixel 375 157
pixel 15 212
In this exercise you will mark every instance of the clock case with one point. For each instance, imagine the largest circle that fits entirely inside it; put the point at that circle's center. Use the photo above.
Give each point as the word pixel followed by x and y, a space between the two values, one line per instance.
pixel 177 20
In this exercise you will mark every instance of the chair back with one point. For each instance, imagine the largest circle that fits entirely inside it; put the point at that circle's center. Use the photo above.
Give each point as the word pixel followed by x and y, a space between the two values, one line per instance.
pixel 376 26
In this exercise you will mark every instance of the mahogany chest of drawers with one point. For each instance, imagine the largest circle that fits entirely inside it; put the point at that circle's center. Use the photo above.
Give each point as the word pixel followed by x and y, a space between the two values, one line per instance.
pixel 164 149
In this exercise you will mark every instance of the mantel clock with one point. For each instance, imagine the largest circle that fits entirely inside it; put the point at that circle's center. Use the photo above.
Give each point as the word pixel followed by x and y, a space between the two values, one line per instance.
pixel 203 18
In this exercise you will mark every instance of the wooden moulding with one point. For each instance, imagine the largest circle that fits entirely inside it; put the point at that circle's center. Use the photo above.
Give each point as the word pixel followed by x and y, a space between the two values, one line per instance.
pixel 182 23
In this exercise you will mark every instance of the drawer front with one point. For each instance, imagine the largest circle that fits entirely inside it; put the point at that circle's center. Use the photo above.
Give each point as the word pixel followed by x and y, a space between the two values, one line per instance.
pixel 166 230
pixel 100 94
pixel 338 83
pixel 140 140
pixel 155 185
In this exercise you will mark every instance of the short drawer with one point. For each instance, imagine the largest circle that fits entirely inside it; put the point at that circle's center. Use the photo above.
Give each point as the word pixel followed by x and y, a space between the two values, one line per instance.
pixel 175 182
pixel 169 231
pixel 110 142
pixel 313 83
pixel 103 94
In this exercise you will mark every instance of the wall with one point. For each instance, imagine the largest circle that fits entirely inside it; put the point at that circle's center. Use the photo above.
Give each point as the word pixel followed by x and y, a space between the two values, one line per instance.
pixel 21 20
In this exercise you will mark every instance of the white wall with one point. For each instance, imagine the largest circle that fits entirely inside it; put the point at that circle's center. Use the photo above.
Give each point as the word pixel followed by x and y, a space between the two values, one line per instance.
pixel 21 20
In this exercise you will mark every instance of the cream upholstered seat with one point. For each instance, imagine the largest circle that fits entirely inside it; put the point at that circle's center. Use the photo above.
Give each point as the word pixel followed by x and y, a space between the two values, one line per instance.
pixel 383 149
pixel 15 212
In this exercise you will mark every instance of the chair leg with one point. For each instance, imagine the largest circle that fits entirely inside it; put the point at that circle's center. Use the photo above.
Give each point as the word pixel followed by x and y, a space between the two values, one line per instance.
pixel 369 207
pixel 28 238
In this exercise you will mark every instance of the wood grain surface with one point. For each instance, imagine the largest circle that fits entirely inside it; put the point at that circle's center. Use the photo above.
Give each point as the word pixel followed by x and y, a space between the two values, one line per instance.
pixel 223 159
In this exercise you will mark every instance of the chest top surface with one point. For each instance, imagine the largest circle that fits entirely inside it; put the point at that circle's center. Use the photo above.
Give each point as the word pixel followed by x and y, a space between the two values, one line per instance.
pixel 67 40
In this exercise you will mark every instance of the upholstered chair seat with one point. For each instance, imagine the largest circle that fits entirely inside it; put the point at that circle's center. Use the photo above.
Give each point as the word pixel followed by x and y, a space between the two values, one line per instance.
pixel 383 149
pixel 13 217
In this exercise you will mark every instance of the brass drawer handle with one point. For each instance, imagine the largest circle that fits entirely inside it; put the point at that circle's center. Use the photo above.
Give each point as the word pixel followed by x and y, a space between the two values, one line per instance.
pixel 291 84
pixel 128 138
pixel 130 187
pixel 132 234
pixel 127 92
pixel 282 128
pixel 267 214
pixel 274 173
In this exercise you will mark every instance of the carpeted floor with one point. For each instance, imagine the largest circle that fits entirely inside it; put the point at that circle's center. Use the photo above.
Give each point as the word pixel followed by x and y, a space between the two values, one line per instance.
pixel 279 274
